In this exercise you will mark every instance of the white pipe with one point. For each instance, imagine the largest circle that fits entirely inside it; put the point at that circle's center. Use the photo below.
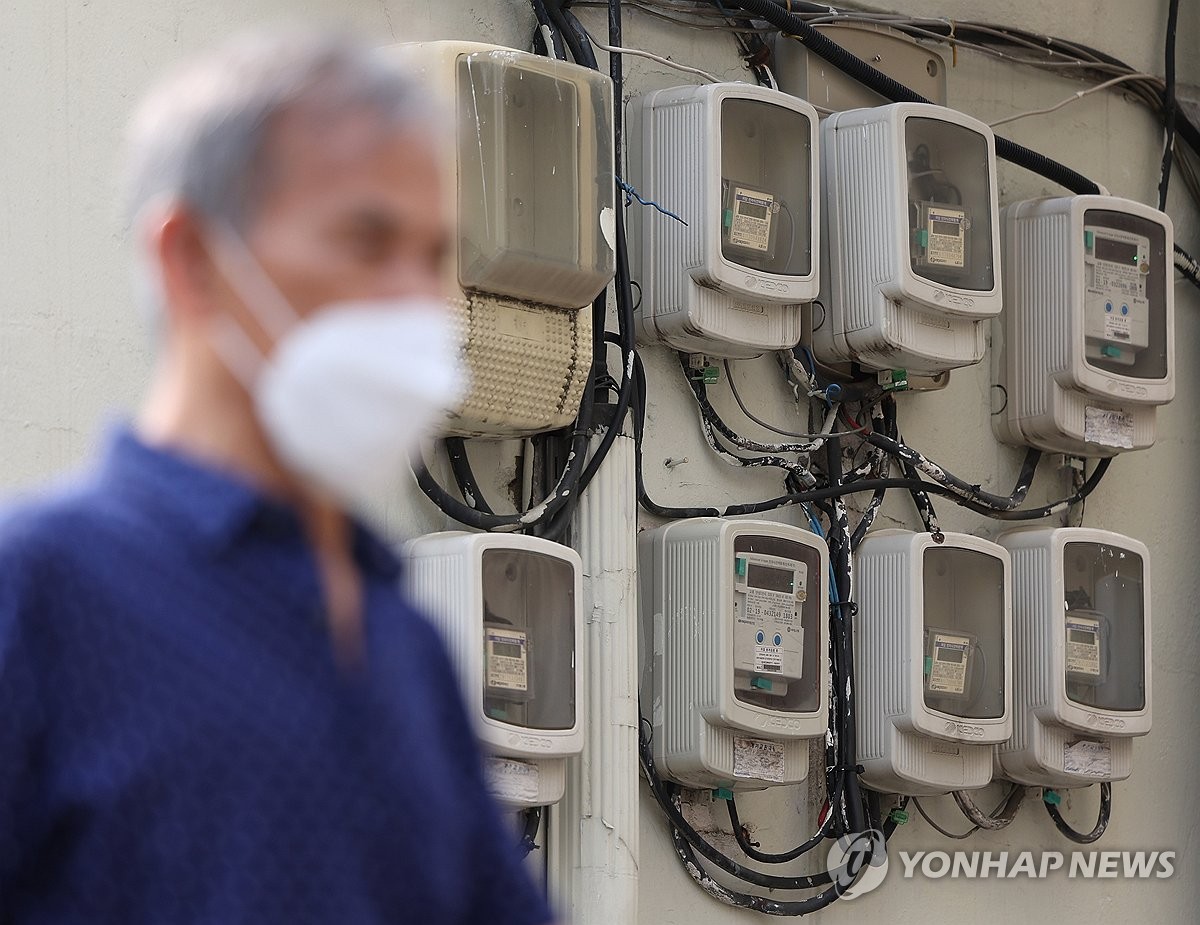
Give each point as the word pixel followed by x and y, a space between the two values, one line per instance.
pixel 593 834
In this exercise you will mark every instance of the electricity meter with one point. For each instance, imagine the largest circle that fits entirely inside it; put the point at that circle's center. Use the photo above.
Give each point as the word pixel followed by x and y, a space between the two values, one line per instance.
pixel 509 610
pixel 533 192
pixel 738 165
pixel 1081 690
pixel 734 614
pixel 911 239
pixel 1088 329
pixel 933 652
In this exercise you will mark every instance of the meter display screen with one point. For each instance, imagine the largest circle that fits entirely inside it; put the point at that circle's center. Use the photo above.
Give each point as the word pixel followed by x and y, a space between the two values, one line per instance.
pixel 1080 636
pixel 771 579
pixel 1116 251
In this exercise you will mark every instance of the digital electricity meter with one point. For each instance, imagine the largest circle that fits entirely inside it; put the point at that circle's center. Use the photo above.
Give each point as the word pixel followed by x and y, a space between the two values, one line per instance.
pixel 738 165
pixel 911 234
pixel 509 608
pixel 533 191
pixel 734 616
pixel 933 652
pixel 1088 330
pixel 1081 691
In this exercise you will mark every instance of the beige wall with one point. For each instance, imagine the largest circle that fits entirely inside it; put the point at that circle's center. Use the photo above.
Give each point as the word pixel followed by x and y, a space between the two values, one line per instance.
pixel 73 354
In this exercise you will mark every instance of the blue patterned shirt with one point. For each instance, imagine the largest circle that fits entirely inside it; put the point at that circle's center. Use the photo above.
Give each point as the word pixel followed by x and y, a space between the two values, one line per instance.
pixel 178 745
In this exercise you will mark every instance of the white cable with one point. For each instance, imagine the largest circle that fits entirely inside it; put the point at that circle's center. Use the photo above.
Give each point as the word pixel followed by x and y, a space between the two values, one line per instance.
pixel 638 53
pixel 1078 95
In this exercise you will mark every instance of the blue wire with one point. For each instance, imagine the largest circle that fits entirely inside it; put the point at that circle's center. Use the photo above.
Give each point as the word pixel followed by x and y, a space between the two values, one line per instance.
pixel 631 193
pixel 815 526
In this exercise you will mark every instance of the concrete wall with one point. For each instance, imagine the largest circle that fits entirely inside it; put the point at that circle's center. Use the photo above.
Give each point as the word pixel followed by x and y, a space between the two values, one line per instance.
pixel 73 355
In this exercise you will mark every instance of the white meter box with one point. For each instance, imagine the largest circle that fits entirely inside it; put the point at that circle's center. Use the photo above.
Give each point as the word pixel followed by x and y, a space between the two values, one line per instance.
pixel 734 617
pixel 933 653
pixel 911 233
pixel 1088 329
pixel 533 192
pixel 739 164
pixel 1082 634
pixel 508 607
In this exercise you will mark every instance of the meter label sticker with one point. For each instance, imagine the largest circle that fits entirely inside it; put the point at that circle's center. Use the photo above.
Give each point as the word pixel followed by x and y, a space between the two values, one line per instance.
pixel 1117 326
pixel 758 760
pixel 1108 428
pixel 944 748
pixel 947 232
pixel 771 607
pixel 512 780
pixel 948 668
pixel 507 657
pixel 1083 646
pixel 768 658
pixel 751 219
pixel 1093 759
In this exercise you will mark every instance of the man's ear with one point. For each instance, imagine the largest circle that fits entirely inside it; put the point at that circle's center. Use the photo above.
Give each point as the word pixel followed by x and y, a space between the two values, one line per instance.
pixel 191 285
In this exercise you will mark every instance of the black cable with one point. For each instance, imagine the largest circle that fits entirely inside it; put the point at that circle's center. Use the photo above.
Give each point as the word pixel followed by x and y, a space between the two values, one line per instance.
pixel 1170 105
pixel 820 494
pixel 959 486
pixel 533 822
pixel 563 494
pixel 1101 819
pixel 460 466
pixel 748 848
pixel 885 86
pixel 1186 264
pixel 545 26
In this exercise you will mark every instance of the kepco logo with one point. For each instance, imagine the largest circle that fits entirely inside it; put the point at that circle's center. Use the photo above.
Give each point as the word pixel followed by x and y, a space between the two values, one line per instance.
pixel 858 862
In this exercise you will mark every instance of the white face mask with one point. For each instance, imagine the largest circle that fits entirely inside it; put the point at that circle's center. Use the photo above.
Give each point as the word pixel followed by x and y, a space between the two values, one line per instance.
pixel 349 392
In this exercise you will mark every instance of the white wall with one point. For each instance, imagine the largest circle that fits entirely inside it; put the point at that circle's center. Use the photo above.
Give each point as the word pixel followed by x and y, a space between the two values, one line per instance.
pixel 73 354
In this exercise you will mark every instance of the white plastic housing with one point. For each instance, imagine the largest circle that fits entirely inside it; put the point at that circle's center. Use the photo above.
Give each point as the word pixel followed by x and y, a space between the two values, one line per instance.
pixel 933 660
pixel 533 192
pixel 1078 699
pixel 912 242
pixel 739 164
pixel 734 616
pixel 1088 329
pixel 509 609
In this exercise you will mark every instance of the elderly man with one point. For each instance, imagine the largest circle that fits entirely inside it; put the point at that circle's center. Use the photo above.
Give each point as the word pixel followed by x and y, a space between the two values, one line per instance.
pixel 214 706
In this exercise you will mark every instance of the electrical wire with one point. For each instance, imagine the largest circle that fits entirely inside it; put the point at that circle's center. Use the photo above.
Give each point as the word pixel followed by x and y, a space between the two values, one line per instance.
pixel 999 818
pixel 888 88
pixel 1169 104
pixel 1073 98
pixel 751 851
pixel 737 397
pixel 1186 264
pixel 960 487
pixel 937 828
pixel 1102 817
pixel 659 59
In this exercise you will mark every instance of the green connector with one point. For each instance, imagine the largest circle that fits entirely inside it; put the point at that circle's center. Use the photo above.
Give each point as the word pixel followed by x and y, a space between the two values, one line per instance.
pixel 1051 797
pixel 898 816
pixel 893 380
pixel 711 375
pixel 929 664
pixel 740 565
pixel 923 237
pixel 722 793
pixel 727 218
pixel 762 684
pixel 1089 239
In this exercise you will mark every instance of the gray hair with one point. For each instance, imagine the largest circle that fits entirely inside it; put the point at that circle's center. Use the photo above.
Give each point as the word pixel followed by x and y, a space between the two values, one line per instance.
pixel 200 136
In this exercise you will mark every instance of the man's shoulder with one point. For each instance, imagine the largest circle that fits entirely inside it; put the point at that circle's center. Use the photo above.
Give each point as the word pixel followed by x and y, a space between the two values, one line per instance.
pixel 64 519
